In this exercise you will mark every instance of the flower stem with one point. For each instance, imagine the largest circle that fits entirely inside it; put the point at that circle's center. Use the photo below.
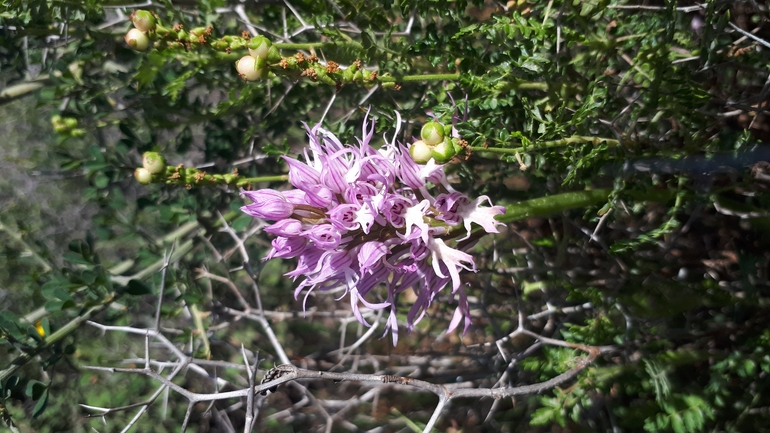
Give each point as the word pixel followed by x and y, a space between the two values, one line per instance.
pixel 543 206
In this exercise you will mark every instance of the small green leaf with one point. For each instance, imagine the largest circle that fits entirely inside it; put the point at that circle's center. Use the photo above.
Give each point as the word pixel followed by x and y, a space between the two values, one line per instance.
pixel 41 405
pixel 9 386
pixel 58 305
pixel 77 259
pixel 35 389
pixel 46 326
pixel 677 424
pixel 101 181
pixel 137 288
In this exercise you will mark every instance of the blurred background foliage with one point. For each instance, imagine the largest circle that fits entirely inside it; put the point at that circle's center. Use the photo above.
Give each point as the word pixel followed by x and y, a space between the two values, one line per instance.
pixel 652 99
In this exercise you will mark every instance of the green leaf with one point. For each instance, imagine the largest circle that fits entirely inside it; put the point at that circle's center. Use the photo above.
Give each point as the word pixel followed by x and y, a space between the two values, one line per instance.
pixel 10 323
pixel 9 386
pixel 35 389
pixel 46 326
pixel 58 305
pixel 101 181
pixel 137 288
pixel 677 424
pixel 149 69
pixel 41 405
pixel 77 259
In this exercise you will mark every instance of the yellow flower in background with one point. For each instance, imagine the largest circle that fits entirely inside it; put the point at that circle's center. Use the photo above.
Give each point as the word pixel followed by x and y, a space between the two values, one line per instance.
pixel 40 329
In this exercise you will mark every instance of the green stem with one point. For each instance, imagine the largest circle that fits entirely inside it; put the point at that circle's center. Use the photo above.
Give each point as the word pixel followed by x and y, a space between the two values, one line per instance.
pixel 17 237
pixel 529 85
pixel 418 78
pixel 54 338
pixel 249 180
pixel 575 139
pixel 201 328
pixel 543 206
pixel 16 91
pixel 317 45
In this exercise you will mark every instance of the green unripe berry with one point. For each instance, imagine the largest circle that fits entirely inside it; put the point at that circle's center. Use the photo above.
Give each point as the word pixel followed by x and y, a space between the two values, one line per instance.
pixel 137 40
pixel 78 132
pixel 144 21
pixel 143 175
pixel 420 152
pixel 259 47
pixel 432 133
pixel 154 162
pixel 443 151
pixel 71 122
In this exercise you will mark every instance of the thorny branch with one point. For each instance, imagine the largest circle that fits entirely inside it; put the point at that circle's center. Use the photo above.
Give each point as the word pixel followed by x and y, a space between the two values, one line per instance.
pixel 287 372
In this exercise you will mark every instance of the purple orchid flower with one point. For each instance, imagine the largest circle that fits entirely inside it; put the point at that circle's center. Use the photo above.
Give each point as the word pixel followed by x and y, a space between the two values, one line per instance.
pixel 375 223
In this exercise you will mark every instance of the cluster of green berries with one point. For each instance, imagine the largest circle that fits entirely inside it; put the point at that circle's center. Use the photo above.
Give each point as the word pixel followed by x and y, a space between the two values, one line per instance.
pixel 153 163
pixel 155 170
pixel 254 66
pixel 263 61
pixel 67 126
pixel 144 23
pixel 148 28
pixel 264 58
pixel 436 142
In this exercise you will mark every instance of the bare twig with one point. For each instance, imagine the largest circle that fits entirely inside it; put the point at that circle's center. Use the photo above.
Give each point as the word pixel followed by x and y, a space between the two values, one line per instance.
pixel 162 288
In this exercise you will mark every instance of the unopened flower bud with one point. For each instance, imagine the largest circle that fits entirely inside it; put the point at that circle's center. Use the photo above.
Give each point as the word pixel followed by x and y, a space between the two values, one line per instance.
pixel 420 152
pixel 143 175
pixel 248 70
pixel 154 162
pixel 432 133
pixel 268 204
pixel 137 40
pixel 259 46
pixel 143 20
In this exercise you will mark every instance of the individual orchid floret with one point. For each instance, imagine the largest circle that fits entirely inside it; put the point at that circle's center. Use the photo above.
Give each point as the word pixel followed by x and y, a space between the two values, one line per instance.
pixel 267 204
pixel 374 223
pixel 484 216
